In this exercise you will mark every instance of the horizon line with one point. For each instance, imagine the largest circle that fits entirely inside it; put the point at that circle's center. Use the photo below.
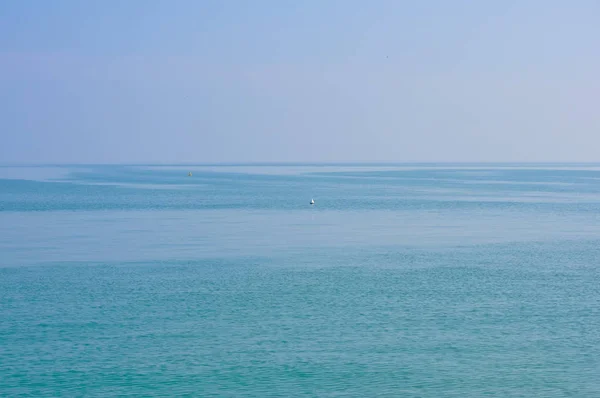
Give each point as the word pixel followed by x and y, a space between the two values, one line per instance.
pixel 295 163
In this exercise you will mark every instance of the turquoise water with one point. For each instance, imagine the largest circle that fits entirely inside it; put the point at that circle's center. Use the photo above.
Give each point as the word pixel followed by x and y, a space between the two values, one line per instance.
pixel 402 280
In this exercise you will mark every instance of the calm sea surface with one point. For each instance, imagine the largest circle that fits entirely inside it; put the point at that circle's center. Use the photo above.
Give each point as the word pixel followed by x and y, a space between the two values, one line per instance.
pixel 401 281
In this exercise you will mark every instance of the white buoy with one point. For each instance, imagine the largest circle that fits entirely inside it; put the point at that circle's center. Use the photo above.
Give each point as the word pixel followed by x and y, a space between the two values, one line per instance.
pixel 312 201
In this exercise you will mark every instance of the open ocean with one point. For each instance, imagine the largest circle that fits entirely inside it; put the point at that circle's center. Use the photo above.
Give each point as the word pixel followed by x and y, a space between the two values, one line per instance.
pixel 423 280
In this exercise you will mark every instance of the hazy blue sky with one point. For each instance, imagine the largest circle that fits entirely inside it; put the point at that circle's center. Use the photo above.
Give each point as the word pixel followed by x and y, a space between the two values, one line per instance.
pixel 309 80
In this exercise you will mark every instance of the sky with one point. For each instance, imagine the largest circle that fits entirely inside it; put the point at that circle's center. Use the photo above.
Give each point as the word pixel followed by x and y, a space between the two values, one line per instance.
pixel 187 81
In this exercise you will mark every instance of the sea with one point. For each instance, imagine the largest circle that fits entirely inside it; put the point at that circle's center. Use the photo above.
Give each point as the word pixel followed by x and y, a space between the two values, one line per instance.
pixel 402 280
